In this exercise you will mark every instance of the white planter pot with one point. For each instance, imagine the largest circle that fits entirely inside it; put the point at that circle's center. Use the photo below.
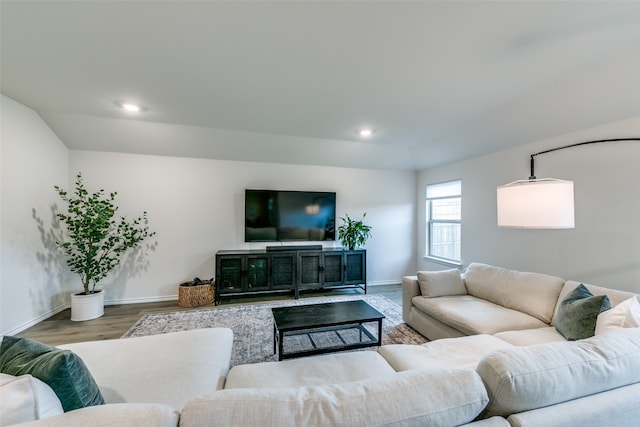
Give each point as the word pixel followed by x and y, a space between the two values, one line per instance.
pixel 87 307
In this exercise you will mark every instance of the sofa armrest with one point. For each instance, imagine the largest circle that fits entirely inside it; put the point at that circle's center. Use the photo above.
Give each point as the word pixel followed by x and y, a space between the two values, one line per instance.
pixel 410 289
pixel 120 414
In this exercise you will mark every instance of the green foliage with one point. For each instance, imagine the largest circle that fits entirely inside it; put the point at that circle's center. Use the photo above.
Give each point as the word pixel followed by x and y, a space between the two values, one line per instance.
pixel 96 239
pixel 352 233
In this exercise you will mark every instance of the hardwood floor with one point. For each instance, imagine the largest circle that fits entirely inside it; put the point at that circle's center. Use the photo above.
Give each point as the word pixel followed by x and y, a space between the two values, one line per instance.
pixel 118 319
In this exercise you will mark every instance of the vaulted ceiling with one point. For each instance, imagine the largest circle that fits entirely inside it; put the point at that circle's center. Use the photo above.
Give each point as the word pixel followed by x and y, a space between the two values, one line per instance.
pixel 292 81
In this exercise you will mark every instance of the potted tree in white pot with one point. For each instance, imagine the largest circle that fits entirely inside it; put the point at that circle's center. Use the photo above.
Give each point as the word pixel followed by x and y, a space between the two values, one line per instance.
pixel 95 242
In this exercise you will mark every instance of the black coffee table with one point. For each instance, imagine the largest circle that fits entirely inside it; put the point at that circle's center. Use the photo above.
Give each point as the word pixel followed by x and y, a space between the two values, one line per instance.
pixel 325 328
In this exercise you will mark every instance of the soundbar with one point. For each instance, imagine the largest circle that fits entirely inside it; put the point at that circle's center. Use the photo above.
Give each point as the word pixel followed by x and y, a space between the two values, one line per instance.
pixel 294 248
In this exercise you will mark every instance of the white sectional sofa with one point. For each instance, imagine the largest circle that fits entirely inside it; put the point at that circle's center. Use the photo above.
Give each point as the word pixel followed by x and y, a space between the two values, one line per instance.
pixel 490 300
pixel 473 372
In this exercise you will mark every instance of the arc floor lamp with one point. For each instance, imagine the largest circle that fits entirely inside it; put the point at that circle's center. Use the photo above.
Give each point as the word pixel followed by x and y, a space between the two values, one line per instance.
pixel 540 203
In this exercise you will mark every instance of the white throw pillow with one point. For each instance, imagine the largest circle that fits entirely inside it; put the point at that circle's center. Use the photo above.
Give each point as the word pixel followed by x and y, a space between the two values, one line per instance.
pixel 26 398
pixel 624 315
pixel 441 283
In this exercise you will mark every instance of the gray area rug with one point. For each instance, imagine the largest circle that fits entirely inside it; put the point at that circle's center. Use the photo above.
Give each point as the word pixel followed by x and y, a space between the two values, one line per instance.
pixel 252 325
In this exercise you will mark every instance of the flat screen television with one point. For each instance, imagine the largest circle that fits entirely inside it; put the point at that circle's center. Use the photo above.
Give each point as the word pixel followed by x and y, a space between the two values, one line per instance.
pixel 289 216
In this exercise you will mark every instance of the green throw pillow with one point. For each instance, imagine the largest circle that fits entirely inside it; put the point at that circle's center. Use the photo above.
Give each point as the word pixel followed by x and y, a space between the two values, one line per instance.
pixel 578 313
pixel 62 370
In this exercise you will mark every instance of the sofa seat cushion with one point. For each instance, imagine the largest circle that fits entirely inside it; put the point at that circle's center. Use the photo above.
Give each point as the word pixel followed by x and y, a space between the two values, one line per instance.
pixel 438 397
pixel 308 371
pixel 472 316
pixel 119 414
pixel 168 369
pixel 25 398
pixel 524 378
pixel 532 293
pixel 462 352
pixel 531 336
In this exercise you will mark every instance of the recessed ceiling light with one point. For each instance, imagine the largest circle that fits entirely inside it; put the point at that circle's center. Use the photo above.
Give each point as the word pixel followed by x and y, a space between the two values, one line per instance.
pixel 365 132
pixel 133 108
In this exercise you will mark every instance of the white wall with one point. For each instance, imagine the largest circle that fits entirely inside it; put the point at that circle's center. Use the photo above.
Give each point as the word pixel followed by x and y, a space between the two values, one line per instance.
pixel 197 208
pixel 32 273
pixel 603 249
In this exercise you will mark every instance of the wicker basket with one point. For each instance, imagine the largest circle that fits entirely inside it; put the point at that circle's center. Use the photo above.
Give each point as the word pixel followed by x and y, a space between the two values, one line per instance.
pixel 194 296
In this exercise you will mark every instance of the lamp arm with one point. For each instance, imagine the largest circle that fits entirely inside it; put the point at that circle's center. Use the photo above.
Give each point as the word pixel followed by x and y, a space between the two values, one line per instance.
pixel 533 175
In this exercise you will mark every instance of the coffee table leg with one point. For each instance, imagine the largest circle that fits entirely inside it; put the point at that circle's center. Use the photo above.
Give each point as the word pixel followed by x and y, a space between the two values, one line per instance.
pixel 280 346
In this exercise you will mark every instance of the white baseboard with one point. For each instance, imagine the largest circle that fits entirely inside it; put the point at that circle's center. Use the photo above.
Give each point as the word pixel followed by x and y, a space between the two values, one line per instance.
pixel 35 321
pixel 53 312
pixel 384 282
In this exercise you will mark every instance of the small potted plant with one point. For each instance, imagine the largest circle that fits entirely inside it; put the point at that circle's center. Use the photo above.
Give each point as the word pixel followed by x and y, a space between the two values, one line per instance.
pixel 353 234
pixel 95 243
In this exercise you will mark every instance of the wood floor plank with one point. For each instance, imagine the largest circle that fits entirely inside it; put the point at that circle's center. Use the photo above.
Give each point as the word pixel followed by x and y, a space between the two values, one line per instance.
pixel 118 319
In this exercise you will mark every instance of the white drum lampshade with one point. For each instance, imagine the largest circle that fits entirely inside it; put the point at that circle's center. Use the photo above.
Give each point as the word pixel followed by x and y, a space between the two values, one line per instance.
pixel 536 203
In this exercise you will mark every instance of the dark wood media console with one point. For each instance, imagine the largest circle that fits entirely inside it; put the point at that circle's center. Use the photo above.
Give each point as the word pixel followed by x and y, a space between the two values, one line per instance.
pixel 250 272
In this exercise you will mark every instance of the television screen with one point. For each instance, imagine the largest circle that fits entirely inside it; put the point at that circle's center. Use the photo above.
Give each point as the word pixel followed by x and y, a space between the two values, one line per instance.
pixel 288 216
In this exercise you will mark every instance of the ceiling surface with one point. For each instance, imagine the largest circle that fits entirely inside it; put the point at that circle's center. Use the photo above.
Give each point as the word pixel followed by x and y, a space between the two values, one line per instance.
pixel 291 81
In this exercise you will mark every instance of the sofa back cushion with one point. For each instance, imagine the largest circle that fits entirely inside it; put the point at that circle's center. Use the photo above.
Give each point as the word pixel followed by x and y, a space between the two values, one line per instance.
pixel 437 397
pixel 525 378
pixel 532 293
pixel 615 296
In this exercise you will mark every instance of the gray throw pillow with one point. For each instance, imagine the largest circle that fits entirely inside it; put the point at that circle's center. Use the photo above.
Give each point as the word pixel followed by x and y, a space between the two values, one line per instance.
pixel 61 370
pixel 441 283
pixel 578 313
